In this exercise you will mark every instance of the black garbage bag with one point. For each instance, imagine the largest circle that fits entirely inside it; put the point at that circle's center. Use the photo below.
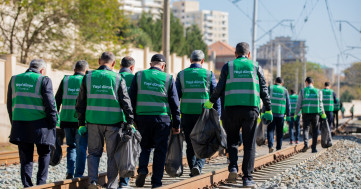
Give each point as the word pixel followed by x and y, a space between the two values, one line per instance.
pixel 56 153
pixel 260 134
pixel 208 136
pixel 128 151
pixel 326 138
pixel 174 159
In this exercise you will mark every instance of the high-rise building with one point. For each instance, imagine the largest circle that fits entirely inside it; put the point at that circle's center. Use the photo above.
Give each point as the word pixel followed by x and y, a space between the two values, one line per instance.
pixel 213 24
pixel 134 8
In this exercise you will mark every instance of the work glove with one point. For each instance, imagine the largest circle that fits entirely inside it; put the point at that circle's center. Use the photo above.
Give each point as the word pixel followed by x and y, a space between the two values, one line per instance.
pixel 295 117
pixel 267 117
pixel 323 116
pixel 288 118
pixel 58 120
pixel 208 104
pixel 82 130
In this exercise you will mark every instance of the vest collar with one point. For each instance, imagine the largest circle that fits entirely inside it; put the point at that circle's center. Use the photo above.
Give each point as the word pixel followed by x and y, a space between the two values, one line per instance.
pixel 104 67
pixel 195 65
pixel 33 70
pixel 78 73
pixel 242 56
pixel 125 70
pixel 156 68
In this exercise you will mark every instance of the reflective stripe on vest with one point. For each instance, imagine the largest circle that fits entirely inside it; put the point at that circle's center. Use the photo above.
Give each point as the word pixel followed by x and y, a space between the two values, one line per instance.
pixel 310 103
pixel 327 99
pixel 195 89
pixel 102 96
pixel 242 89
pixel 278 103
pixel 27 102
pixel 293 101
pixel 71 88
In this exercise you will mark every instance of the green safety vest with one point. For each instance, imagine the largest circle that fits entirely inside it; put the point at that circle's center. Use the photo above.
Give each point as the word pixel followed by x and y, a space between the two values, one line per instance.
pixel 337 105
pixel 327 100
pixel 293 101
pixel 102 98
pixel 128 77
pixel 27 102
pixel 242 86
pixel 152 95
pixel 71 87
pixel 195 89
pixel 278 99
pixel 310 103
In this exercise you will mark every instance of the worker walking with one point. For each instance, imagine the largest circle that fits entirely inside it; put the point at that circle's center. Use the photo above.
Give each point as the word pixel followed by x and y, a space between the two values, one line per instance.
pixel 243 84
pixel 294 136
pixel 280 108
pixel 352 110
pixel 310 101
pixel 103 103
pixel 33 116
pixel 329 101
pixel 66 96
pixel 337 108
pixel 156 106
pixel 194 86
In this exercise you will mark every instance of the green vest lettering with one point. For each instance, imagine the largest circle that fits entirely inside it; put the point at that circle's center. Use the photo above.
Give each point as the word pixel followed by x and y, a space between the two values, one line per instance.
pixel 293 101
pixel 71 87
pixel 310 103
pixel 327 99
pixel 278 99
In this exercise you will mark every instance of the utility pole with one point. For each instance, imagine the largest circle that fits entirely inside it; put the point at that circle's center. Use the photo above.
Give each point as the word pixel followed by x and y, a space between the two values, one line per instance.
pixel 254 32
pixel 296 81
pixel 271 44
pixel 304 66
pixel 278 60
pixel 166 34
pixel 338 76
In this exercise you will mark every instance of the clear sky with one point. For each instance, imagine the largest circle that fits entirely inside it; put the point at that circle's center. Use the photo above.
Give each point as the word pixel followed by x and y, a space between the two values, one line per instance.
pixel 316 31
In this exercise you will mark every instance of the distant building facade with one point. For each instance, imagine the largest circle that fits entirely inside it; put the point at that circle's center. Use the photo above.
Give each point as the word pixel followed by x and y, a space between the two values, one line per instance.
pixel 223 52
pixel 134 8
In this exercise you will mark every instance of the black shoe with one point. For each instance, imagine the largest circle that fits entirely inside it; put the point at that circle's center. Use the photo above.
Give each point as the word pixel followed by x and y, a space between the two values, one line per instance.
pixel 304 149
pixel 232 176
pixel 314 150
pixel 195 171
pixel 69 176
pixel 248 182
pixel 140 180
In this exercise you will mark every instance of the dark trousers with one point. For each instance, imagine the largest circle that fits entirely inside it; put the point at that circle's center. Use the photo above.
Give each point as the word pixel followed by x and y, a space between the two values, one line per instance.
pixel 155 134
pixel 294 122
pixel 187 123
pixel 335 119
pixel 329 118
pixel 60 134
pixel 237 118
pixel 26 152
pixel 276 124
pixel 310 120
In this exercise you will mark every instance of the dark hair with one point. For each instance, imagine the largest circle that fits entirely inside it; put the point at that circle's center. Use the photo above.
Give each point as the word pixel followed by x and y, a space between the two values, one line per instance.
pixel 327 84
pixel 242 48
pixel 292 91
pixel 309 80
pixel 279 80
pixel 81 65
pixel 127 62
pixel 107 57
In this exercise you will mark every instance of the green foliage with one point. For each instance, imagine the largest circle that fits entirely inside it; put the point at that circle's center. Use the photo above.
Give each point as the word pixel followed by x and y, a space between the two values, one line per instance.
pixel 194 41
pixel 351 84
pixel 347 96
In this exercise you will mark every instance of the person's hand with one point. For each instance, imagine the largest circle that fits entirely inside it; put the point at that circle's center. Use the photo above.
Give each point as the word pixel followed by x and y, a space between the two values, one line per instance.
pixel 288 118
pixel 323 116
pixel 208 104
pixel 267 117
pixel 175 131
pixel 82 130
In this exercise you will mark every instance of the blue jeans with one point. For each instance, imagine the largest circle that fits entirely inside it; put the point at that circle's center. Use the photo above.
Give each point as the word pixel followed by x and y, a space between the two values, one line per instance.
pixel 76 151
pixel 296 123
pixel 329 118
pixel 277 124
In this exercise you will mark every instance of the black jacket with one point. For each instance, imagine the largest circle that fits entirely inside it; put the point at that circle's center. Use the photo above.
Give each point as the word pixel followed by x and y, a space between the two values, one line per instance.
pixel 173 101
pixel 221 86
pixel 124 101
pixel 40 131
pixel 59 101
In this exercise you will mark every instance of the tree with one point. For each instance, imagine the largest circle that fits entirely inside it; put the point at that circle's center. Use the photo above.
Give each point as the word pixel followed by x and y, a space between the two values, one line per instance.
pixel 194 40
pixel 351 83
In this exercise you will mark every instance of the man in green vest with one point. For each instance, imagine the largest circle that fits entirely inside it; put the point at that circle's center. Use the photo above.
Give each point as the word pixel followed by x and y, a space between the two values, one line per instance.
pixel 33 116
pixel 338 106
pixel 66 96
pixel 103 103
pixel 280 108
pixel 194 85
pixel 156 105
pixel 310 102
pixel 243 84
pixel 329 101
pixel 352 110
pixel 127 69
pixel 294 121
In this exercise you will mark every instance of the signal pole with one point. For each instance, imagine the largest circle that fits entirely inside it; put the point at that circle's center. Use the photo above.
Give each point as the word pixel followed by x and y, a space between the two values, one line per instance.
pixel 166 34
pixel 254 32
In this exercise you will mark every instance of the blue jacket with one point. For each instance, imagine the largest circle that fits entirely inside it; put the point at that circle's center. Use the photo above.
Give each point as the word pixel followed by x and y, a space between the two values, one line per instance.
pixel 217 105
pixel 173 101
pixel 40 131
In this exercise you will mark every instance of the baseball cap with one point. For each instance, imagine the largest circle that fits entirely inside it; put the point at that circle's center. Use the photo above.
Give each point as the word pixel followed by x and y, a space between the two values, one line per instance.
pixel 158 58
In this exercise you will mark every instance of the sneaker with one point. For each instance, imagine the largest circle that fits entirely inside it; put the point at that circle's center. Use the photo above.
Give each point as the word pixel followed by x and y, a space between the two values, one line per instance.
pixel 232 176
pixel 248 182
pixel 140 180
pixel 291 142
pixel 305 149
pixel 93 185
pixel 314 150
pixel 195 171
pixel 69 176
pixel 271 150
pixel 296 141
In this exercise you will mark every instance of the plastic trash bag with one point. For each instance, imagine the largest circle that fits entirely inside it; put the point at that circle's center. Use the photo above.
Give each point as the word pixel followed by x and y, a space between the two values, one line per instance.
pixel 285 128
pixel 260 134
pixel 174 159
pixel 56 153
pixel 326 138
pixel 128 151
pixel 208 136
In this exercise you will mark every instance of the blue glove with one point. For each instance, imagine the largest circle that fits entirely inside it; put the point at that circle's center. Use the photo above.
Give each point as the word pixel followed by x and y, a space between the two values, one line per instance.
pixel 82 130
pixel 208 104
